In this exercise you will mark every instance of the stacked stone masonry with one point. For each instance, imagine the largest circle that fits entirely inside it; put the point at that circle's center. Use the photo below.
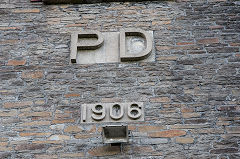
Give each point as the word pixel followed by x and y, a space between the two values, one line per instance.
pixel 191 93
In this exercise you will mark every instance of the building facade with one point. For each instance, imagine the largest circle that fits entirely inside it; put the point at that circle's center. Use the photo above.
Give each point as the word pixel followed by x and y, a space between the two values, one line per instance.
pixel 190 91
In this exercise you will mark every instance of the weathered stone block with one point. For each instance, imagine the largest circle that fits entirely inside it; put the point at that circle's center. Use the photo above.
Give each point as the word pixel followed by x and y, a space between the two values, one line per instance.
pixel 59 137
pixel 104 151
pixel 85 136
pixel 35 123
pixel 167 133
pixel 34 10
pixel 17 104
pixel 149 128
pixel 160 100
pixel 154 141
pixel 32 74
pixel 208 41
pixel 61 121
pixel 224 150
pixel 35 114
pixel 72 129
pixel 69 95
pixel 184 140
pixel 72 155
pixel 8 113
pixel 233 130
pixel 16 62
pixel 34 134
pixel 22 147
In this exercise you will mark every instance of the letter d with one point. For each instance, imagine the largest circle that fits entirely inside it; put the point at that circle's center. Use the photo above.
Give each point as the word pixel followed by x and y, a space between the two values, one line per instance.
pixel 145 45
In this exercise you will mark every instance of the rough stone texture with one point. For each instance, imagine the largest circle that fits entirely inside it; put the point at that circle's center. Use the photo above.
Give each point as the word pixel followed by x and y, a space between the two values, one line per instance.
pixel 168 133
pixel 184 140
pixel 193 87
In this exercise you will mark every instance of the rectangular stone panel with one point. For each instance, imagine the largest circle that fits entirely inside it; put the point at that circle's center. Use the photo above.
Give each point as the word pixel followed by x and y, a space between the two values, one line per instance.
pixel 112 112
pixel 128 45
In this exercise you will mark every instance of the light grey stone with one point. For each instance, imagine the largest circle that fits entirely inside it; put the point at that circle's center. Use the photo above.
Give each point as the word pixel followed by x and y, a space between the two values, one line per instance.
pixel 112 112
pixel 130 45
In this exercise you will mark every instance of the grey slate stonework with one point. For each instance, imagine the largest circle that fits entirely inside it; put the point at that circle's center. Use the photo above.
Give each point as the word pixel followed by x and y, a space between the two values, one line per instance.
pixel 191 93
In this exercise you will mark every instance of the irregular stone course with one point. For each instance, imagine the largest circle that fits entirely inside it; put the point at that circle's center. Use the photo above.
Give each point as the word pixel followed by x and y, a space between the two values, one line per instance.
pixel 191 93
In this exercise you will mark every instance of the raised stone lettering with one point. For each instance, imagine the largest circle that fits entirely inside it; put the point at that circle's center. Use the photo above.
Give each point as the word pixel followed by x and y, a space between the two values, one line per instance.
pixel 112 112
pixel 135 44
pixel 89 47
pixel 86 40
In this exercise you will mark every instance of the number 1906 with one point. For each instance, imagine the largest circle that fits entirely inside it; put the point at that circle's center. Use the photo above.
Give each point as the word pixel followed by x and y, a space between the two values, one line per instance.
pixel 112 112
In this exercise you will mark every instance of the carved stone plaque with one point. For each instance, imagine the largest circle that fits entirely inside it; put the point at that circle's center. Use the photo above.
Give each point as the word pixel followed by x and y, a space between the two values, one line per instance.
pixel 132 44
pixel 112 112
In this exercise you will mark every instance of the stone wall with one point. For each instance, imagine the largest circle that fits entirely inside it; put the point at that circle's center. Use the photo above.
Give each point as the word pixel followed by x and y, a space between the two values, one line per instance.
pixel 191 93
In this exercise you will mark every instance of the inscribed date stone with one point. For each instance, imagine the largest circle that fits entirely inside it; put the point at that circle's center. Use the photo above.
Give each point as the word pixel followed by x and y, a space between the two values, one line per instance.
pixel 112 112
